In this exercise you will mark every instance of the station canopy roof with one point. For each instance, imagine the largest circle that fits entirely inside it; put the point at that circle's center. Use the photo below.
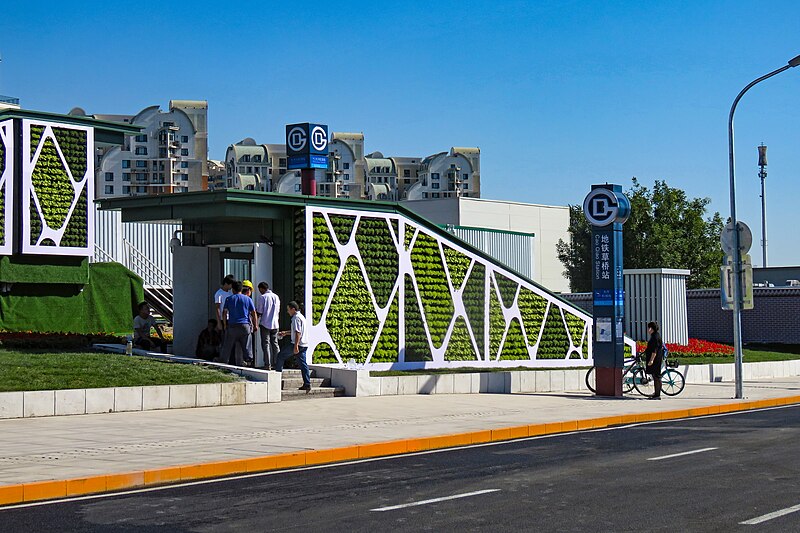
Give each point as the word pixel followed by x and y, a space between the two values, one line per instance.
pixel 231 204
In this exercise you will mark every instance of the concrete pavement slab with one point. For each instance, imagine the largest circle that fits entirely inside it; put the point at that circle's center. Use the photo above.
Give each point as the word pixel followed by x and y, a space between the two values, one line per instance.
pixel 58 448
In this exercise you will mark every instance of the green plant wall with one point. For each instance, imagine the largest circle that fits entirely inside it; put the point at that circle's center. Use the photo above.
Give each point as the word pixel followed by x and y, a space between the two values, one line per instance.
pixel 389 290
pixel 7 129
pixel 57 184
pixel 429 272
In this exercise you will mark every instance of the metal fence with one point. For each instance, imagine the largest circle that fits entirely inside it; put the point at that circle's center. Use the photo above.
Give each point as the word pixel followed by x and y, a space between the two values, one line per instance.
pixel 513 249
pixel 142 247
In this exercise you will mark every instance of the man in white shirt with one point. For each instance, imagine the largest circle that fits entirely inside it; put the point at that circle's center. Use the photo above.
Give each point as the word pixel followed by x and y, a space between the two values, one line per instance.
pixel 268 306
pixel 220 296
pixel 299 337
pixel 219 303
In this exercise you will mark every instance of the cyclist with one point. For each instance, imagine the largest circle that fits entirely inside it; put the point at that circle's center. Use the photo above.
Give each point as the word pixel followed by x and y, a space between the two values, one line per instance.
pixel 653 357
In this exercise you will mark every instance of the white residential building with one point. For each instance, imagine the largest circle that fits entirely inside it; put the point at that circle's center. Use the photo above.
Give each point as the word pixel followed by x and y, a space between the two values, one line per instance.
pixel 351 174
pixel 169 155
pixel 448 175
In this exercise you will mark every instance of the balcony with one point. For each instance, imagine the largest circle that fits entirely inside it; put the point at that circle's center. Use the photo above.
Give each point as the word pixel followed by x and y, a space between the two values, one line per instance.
pixel 8 101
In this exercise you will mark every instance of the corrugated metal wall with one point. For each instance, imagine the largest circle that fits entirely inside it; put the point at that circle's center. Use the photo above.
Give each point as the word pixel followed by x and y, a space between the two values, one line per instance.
pixel 113 237
pixel 656 295
pixel 512 249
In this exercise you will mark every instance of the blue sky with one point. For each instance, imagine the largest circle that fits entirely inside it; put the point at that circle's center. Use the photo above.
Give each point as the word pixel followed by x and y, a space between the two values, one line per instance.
pixel 558 95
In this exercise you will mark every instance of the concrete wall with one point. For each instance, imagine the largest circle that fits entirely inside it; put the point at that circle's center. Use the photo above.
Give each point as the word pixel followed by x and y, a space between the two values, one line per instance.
pixel 191 297
pixel 548 223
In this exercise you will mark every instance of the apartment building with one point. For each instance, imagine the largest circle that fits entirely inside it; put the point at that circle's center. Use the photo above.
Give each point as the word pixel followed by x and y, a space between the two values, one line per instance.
pixel 254 167
pixel 452 174
pixel 352 174
pixel 169 155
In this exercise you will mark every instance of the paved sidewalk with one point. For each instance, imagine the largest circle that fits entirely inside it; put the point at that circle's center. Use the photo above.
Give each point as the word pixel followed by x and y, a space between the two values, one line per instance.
pixel 69 447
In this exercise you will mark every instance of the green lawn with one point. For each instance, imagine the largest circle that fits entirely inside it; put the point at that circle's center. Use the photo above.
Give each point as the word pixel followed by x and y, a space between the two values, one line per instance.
pixel 41 370
pixel 754 354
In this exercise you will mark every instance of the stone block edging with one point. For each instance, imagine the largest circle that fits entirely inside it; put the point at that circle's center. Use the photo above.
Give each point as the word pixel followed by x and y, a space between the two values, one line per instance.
pixel 361 383
pixel 28 404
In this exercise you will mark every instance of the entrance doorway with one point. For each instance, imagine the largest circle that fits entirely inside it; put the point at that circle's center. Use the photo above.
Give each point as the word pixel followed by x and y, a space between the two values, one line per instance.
pixel 238 260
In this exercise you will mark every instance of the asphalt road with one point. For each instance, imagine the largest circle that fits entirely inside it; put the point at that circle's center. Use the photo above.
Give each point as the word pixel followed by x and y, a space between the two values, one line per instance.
pixel 589 481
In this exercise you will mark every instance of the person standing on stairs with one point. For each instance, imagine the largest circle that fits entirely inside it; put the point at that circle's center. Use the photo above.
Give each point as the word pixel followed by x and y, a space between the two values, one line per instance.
pixel 299 338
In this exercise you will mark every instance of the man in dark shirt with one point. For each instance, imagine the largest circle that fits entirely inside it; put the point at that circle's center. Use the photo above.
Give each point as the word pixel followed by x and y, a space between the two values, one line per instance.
pixel 239 316
pixel 654 357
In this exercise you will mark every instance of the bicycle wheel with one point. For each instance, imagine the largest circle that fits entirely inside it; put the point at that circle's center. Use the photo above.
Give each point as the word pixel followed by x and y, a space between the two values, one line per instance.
pixel 627 382
pixel 643 382
pixel 672 382
pixel 590 380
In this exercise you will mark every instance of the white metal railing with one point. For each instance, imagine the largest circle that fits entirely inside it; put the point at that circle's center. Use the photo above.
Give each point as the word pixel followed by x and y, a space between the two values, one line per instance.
pixel 159 294
pixel 141 264
pixel 101 256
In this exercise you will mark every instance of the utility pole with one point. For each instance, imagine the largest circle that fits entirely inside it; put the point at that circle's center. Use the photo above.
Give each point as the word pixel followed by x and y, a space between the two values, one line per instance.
pixel 762 163
pixel 737 252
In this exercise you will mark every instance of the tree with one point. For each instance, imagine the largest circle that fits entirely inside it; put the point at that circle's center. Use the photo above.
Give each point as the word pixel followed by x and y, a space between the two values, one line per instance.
pixel 665 230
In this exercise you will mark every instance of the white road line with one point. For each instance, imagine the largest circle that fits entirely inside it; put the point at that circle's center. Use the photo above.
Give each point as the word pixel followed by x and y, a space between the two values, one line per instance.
pixel 370 460
pixel 680 454
pixel 435 500
pixel 770 516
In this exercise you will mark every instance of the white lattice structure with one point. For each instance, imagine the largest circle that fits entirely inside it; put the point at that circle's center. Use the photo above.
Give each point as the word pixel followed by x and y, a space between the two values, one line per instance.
pixel 39 199
pixel 7 185
pixel 572 343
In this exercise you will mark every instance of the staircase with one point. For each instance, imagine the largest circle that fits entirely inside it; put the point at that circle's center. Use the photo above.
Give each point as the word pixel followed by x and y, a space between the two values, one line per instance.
pixel 157 293
pixel 291 380
pixel 157 283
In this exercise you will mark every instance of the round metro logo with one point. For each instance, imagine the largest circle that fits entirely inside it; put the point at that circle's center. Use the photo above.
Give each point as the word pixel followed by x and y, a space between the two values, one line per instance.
pixel 601 207
pixel 297 139
pixel 319 139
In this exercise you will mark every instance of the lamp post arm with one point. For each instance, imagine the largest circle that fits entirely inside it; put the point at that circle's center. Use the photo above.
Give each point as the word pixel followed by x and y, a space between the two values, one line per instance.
pixel 737 253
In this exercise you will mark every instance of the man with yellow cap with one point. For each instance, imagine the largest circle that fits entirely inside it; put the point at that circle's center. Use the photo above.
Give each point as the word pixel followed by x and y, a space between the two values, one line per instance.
pixel 247 290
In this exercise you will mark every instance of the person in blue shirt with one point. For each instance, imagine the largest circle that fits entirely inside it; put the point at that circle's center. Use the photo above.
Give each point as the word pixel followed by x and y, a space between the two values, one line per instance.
pixel 239 315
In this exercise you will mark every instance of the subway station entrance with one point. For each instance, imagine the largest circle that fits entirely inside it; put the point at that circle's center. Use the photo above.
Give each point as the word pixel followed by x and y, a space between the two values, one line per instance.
pixel 381 287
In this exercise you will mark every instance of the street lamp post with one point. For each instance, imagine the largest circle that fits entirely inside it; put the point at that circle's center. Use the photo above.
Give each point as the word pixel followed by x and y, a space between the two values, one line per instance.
pixel 737 252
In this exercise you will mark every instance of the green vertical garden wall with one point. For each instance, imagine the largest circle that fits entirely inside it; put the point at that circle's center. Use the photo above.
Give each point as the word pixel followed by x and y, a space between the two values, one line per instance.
pixel 57 189
pixel 384 289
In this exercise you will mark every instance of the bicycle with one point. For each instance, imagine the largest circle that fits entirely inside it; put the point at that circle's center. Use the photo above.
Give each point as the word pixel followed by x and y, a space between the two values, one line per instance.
pixel 629 366
pixel 634 375
pixel 672 380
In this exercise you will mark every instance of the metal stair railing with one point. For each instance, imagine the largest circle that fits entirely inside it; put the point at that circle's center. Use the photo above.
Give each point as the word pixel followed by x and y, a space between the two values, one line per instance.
pixel 158 284
pixel 101 256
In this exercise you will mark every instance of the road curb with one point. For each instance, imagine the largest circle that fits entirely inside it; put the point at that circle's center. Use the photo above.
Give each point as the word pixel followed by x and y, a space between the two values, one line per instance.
pixel 48 490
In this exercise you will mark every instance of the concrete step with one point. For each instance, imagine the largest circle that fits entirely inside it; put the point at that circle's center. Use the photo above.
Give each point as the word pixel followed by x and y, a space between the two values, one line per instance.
pixel 293 373
pixel 321 392
pixel 294 382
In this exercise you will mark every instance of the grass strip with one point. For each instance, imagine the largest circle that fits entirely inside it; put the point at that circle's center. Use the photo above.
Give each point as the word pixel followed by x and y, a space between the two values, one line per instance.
pixel 28 370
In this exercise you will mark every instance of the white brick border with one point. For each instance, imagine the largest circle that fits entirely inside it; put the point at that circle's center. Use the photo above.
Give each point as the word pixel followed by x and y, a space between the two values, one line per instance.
pixel 30 404
pixel 360 383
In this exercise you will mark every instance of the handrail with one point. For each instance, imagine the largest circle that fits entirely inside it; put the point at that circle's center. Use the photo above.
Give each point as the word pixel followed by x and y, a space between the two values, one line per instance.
pixel 141 264
pixel 103 254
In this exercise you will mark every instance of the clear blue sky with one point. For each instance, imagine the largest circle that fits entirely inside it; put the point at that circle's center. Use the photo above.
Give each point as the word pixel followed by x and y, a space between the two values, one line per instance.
pixel 558 95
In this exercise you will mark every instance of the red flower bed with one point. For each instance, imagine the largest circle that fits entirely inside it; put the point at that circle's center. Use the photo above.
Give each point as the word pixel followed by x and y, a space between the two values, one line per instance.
pixel 695 348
